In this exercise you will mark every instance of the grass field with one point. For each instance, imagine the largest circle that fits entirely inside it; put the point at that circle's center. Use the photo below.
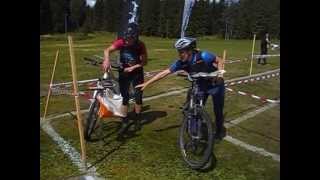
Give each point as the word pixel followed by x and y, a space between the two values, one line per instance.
pixel 152 153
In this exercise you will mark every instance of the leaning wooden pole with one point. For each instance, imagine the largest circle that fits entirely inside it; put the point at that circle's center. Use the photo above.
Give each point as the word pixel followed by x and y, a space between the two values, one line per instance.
pixel 76 98
pixel 223 59
pixel 50 85
pixel 221 63
pixel 253 44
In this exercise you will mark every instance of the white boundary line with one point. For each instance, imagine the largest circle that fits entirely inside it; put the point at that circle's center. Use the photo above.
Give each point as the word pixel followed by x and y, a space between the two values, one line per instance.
pixel 249 147
pixel 255 149
pixel 49 118
pixel 249 115
pixel 67 149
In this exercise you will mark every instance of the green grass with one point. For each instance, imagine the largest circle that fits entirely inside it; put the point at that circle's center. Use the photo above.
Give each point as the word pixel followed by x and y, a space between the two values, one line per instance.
pixel 53 163
pixel 261 130
pixel 61 104
pixel 153 153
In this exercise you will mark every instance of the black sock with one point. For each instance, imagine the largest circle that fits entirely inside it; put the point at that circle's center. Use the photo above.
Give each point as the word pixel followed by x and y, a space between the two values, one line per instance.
pixel 125 119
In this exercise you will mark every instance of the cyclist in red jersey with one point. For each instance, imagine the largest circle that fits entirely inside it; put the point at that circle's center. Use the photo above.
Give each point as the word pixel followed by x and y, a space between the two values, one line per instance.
pixel 133 56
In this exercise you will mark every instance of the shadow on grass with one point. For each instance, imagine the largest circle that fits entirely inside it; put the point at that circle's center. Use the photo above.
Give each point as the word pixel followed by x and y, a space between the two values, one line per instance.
pixel 107 132
pixel 150 116
pixel 109 138
pixel 168 128
pixel 108 153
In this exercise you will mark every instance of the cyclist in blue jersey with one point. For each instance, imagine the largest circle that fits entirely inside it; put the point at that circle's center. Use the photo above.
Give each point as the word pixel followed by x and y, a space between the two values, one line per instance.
pixel 189 59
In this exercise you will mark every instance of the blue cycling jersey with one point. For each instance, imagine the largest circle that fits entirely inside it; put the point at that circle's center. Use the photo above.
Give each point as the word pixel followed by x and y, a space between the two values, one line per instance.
pixel 206 56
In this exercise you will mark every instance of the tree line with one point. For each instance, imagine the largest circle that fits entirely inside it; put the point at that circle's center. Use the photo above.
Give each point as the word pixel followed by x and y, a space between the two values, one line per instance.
pixel 226 19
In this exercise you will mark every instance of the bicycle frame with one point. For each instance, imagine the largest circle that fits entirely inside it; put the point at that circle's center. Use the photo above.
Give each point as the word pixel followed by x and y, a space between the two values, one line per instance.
pixel 195 102
pixel 100 88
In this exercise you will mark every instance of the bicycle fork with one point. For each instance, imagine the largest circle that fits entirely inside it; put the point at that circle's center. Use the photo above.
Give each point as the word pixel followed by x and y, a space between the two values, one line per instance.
pixel 194 122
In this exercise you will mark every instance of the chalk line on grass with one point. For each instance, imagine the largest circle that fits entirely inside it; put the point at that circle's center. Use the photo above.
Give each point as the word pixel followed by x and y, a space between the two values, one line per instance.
pixel 252 148
pixel 249 147
pixel 67 149
pixel 249 115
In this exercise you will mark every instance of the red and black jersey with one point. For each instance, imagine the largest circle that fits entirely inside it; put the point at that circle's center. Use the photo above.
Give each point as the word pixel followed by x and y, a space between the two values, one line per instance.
pixel 130 54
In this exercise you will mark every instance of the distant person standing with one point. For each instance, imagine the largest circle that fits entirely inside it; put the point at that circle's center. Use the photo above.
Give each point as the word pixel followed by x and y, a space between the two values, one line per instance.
pixel 265 42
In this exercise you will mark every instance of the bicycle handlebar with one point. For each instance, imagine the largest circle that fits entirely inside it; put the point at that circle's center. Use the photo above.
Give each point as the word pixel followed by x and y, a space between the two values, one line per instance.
pixel 95 62
pixel 204 75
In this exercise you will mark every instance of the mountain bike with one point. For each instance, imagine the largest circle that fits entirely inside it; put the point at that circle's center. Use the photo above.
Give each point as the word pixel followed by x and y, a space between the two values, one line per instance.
pixel 107 83
pixel 102 85
pixel 196 138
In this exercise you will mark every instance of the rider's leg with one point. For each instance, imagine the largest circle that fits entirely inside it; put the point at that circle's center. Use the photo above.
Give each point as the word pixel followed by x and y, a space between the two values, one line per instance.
pixel 124 86
pixel 265 52
pixel 218 105
pixel 137 108
pixel 138 79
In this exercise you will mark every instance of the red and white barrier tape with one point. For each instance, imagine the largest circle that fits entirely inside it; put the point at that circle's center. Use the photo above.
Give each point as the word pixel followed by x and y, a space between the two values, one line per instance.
pixel 261 76
pixel 266 55
pixel 231 83
pixel 254 96
pixel 231 61
pixel 152 73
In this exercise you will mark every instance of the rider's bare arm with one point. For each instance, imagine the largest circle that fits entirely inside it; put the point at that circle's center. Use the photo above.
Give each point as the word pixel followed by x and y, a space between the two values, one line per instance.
pixel 107 52
pixel 157 77
pixel 217 63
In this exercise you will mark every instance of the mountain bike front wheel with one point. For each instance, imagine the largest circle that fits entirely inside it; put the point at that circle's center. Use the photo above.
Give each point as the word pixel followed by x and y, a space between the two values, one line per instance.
pixel 196 151
pixel 91 120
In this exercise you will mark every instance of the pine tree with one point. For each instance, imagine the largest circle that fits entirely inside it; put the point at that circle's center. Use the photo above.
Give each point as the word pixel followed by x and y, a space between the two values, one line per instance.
pixel 89 21
pixel 112 14
pixel 59 9
pixel 199 24
pixel 149 17
pixel 46 25
pixel 77 13
pixel 163 30
pixel 98 22
pixel 217 26
pixel 174 17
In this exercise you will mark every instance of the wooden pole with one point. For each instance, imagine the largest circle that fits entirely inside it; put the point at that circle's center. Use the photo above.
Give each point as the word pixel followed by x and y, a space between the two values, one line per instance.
pixel 76 98
pixel 49 90
pixel 253 44
pixel 221 64
pixel 223 58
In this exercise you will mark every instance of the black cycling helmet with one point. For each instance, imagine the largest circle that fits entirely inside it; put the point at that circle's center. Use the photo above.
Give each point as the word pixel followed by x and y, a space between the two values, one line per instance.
pixel 185 43
pixel 132 31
